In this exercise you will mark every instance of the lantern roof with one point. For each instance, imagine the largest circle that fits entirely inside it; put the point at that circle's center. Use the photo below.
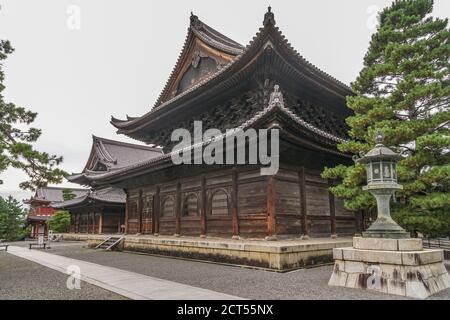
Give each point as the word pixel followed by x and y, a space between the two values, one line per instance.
pixel 380 152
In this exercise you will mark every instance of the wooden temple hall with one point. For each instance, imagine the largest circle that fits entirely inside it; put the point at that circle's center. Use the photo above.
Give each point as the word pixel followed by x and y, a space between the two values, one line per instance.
pixel 102 209
pixel 265 84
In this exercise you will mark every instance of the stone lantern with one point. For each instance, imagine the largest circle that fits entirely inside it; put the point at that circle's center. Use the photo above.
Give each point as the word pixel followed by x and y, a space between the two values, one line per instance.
pixel 381 167
pixel 386 259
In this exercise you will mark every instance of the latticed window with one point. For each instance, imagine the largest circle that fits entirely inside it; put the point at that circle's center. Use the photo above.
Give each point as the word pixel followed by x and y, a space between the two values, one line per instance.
pixel 168 207
pixel 219 203
pixel 132 209
pixel 190 205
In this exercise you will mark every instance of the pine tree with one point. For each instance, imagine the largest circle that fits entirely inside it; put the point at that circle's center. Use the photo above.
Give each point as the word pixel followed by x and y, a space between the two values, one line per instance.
pixel 68 194
pixel 404 92
pixel 12 220
pixel 16 138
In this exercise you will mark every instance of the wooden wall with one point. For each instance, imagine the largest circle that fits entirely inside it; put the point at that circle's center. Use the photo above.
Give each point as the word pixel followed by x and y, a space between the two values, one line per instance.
pixel 232 202
pixel 104 220
pixel 305 205
pixel 85 222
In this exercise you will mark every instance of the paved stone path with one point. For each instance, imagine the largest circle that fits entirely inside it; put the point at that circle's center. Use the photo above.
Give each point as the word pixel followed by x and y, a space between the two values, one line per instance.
pixel 128 284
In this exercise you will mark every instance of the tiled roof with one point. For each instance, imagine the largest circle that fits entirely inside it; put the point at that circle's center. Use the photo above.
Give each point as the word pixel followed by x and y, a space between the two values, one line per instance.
pixel 116 154
pixel 38 218
pixel 55 194
pixel 113 155
pixel 208 35
pixel 108 195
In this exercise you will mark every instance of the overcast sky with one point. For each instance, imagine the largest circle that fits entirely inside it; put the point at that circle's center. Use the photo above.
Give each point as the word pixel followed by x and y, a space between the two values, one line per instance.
pixel 116 58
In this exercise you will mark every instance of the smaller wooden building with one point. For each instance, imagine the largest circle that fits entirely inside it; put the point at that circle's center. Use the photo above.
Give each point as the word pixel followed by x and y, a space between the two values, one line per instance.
pixel 102 209
pixel 97 212
pixel 42 207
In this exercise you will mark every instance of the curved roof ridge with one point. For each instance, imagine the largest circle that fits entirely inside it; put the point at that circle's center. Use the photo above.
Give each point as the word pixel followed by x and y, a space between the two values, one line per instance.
pixel 102 153
pixel 127 144
pixel 211 37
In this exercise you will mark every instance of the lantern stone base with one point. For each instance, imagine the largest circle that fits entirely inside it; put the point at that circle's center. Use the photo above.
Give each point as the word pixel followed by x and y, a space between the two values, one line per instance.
pixel 394 266
pixel 385 227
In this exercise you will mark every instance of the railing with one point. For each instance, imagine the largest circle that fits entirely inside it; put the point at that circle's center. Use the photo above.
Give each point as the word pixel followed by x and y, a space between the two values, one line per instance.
pixel 441 243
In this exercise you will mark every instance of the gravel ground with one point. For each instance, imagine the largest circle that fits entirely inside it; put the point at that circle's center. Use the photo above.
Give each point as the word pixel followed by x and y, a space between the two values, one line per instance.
pixel 21 279
pixel 242 282
pixel 16 275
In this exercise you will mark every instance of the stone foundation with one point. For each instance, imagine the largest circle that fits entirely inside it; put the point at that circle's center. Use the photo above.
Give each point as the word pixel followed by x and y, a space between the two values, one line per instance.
pixel 280 255
pixel 393 266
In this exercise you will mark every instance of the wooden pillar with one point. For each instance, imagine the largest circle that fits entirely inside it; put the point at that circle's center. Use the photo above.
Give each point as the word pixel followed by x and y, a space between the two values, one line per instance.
pixel 203 207
pixel 234 208
pixel 127 202
pixel 157 209
pixel 303 210
pixel 178 211
pixel 152 230
pixel 271 213
pixel 140 211
pixel 100 222
pixel 93 222
pixel 332 210
pixel 119 223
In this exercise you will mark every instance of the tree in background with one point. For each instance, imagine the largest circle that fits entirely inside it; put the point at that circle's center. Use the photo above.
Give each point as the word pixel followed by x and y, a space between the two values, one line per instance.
pixel 68 194
pixel 59 222
pixel 12 220
pixel 16 138
pixel 404 92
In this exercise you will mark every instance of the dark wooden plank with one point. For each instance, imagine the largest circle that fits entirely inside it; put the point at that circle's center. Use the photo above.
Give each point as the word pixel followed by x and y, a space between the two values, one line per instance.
pixel 271 212
pixel 178 210
pixel 156 210
pixel 234 203
pixel 303 211
pixel 140 209
pixel 203 207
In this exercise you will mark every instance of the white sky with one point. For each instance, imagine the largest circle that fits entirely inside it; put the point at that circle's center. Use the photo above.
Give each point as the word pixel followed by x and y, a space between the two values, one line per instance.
pixel 119 60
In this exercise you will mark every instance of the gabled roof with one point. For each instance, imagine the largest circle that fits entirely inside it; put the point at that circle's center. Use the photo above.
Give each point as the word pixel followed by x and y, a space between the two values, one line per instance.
pixel 104 196
pixel 107 155
pixel 268 46
pixel 54 194
pixel 200 37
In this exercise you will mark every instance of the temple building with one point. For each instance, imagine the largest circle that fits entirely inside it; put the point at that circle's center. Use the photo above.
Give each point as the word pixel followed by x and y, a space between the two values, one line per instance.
pixel 264 85
pixel 102 209
pixel 42 207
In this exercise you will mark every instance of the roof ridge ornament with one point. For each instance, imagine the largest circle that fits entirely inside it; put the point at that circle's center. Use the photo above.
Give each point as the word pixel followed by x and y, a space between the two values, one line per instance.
pixel 276 97
pixel 379 137
pixel 269 17
pixel 195 21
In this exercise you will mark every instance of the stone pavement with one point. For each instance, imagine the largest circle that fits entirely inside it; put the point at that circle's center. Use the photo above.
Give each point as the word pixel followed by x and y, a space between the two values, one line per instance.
pixel 128 284
pixel 21 279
